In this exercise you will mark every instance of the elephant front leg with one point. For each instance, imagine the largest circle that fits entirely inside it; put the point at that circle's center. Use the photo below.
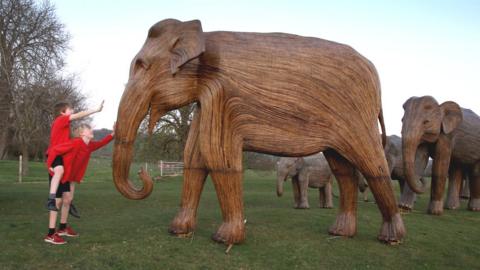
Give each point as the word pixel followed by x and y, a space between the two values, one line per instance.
pixel 455 181
pixel 346 221
pixel 439 175
pixel 184 222
pixel 407 198
pixel 303 189
pixel 296 191
pixel 194 175
pixel 228 185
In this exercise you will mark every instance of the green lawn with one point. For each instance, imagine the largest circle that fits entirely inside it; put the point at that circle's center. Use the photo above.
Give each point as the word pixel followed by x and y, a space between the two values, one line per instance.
pixel 117 233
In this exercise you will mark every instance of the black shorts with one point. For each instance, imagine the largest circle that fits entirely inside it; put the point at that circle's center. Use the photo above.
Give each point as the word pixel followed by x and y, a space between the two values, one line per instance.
pixel 58 161
pixel 62 187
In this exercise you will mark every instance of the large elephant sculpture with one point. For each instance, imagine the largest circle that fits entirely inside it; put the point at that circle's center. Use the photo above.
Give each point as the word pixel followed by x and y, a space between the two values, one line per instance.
pixel 452 135
pixel 273 93
pixel 309 172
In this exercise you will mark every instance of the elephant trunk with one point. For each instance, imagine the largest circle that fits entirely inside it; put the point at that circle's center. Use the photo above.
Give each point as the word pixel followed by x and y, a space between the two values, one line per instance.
pixel 409 149
pixel 280 179
pixel 132 110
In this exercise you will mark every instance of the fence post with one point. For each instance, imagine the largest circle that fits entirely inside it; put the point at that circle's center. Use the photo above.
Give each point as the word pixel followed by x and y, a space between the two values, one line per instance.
pixel 161 168
pixel 20 165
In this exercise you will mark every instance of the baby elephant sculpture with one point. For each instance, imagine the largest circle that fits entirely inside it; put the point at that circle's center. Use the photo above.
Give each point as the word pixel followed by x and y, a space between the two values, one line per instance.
pixel 313 172
pixel 452 135
pixel 274 93
pixel 310 172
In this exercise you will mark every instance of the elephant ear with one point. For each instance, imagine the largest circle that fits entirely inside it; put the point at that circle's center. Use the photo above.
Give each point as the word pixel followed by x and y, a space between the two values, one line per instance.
pixel 452 116
pixel 189 44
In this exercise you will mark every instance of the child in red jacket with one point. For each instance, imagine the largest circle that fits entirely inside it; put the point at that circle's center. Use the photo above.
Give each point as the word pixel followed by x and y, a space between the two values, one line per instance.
pixel 60 133
pixel 76 154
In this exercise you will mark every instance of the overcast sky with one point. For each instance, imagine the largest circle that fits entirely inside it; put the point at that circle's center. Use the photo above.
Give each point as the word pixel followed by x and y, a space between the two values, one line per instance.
pixel 418 47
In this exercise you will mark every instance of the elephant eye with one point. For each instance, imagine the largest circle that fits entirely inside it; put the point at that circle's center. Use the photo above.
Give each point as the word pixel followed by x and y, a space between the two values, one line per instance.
pixel 426 122
pixel 140 63
pixel 428 107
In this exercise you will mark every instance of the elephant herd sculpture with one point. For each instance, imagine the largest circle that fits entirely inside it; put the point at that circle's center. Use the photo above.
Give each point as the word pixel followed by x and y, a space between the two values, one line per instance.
pixel 285 95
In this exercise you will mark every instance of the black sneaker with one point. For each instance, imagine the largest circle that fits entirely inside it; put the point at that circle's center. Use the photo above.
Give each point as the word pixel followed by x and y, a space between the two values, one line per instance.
pixel 73 211
pixel 51 205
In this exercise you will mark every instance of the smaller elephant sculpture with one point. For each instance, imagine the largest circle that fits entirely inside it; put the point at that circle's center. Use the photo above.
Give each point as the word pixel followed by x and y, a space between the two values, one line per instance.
pixel 452 137
pixel 313 172
pixel 309 172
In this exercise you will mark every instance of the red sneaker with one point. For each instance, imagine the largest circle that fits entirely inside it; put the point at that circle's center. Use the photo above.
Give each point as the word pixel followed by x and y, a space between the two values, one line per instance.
pixel 54 239
pixel 68 232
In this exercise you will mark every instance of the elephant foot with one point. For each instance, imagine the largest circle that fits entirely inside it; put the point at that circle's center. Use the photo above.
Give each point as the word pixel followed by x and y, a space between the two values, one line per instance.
pixel 405 207
pixel 230 233
pixel 392 231
pixel 435 208
pixel 302 206
pixel 345 225
pixel 326 205
pixel 183 224
pixel 464 197
pixel 407 202
pixel 474 204
pixel 453 203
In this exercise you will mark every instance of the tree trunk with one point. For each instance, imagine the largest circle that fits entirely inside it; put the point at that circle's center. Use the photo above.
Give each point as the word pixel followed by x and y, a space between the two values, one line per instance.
pixel 3 142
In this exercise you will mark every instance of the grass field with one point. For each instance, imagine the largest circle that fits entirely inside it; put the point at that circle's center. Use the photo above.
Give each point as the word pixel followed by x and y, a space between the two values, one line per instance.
pixel 116 233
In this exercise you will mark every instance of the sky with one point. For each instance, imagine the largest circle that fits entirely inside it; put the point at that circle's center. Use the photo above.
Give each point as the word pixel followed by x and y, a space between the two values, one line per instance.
pixel 418 47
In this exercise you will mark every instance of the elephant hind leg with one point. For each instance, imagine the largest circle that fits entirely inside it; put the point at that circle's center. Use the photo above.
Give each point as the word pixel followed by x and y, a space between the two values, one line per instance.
pixel 474 179
pixel 375 170
pixel 346 221
pixel 325 196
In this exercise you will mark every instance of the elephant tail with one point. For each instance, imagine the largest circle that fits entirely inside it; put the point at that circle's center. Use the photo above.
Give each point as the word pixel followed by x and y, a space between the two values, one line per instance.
pixel 382 125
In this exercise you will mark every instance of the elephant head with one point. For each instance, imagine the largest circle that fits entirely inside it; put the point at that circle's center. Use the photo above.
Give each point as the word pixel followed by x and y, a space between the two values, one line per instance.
pixel 287 167
pixel 160 80
pixel 424 121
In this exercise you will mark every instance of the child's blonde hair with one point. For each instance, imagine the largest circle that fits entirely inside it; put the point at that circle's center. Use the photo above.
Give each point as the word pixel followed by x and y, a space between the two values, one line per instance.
pixel 80 128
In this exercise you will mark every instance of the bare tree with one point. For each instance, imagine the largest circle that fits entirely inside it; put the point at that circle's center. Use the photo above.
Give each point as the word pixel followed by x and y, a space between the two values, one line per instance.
pixel 168 136
pixel 32 47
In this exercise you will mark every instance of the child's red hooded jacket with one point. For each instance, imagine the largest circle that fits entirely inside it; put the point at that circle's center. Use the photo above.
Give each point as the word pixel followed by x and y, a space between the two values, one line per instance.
pixel 76 154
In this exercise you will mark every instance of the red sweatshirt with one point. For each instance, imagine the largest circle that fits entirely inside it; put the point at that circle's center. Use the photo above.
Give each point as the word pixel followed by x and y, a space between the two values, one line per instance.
pixel 60 131
pixel 76 154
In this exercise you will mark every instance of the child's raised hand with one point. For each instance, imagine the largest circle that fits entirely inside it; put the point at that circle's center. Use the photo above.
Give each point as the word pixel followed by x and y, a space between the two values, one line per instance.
pixel 101 106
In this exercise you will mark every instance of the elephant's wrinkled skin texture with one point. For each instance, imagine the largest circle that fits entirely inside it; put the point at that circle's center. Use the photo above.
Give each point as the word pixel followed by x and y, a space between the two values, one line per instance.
pixel 452 135
pixel 273 93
